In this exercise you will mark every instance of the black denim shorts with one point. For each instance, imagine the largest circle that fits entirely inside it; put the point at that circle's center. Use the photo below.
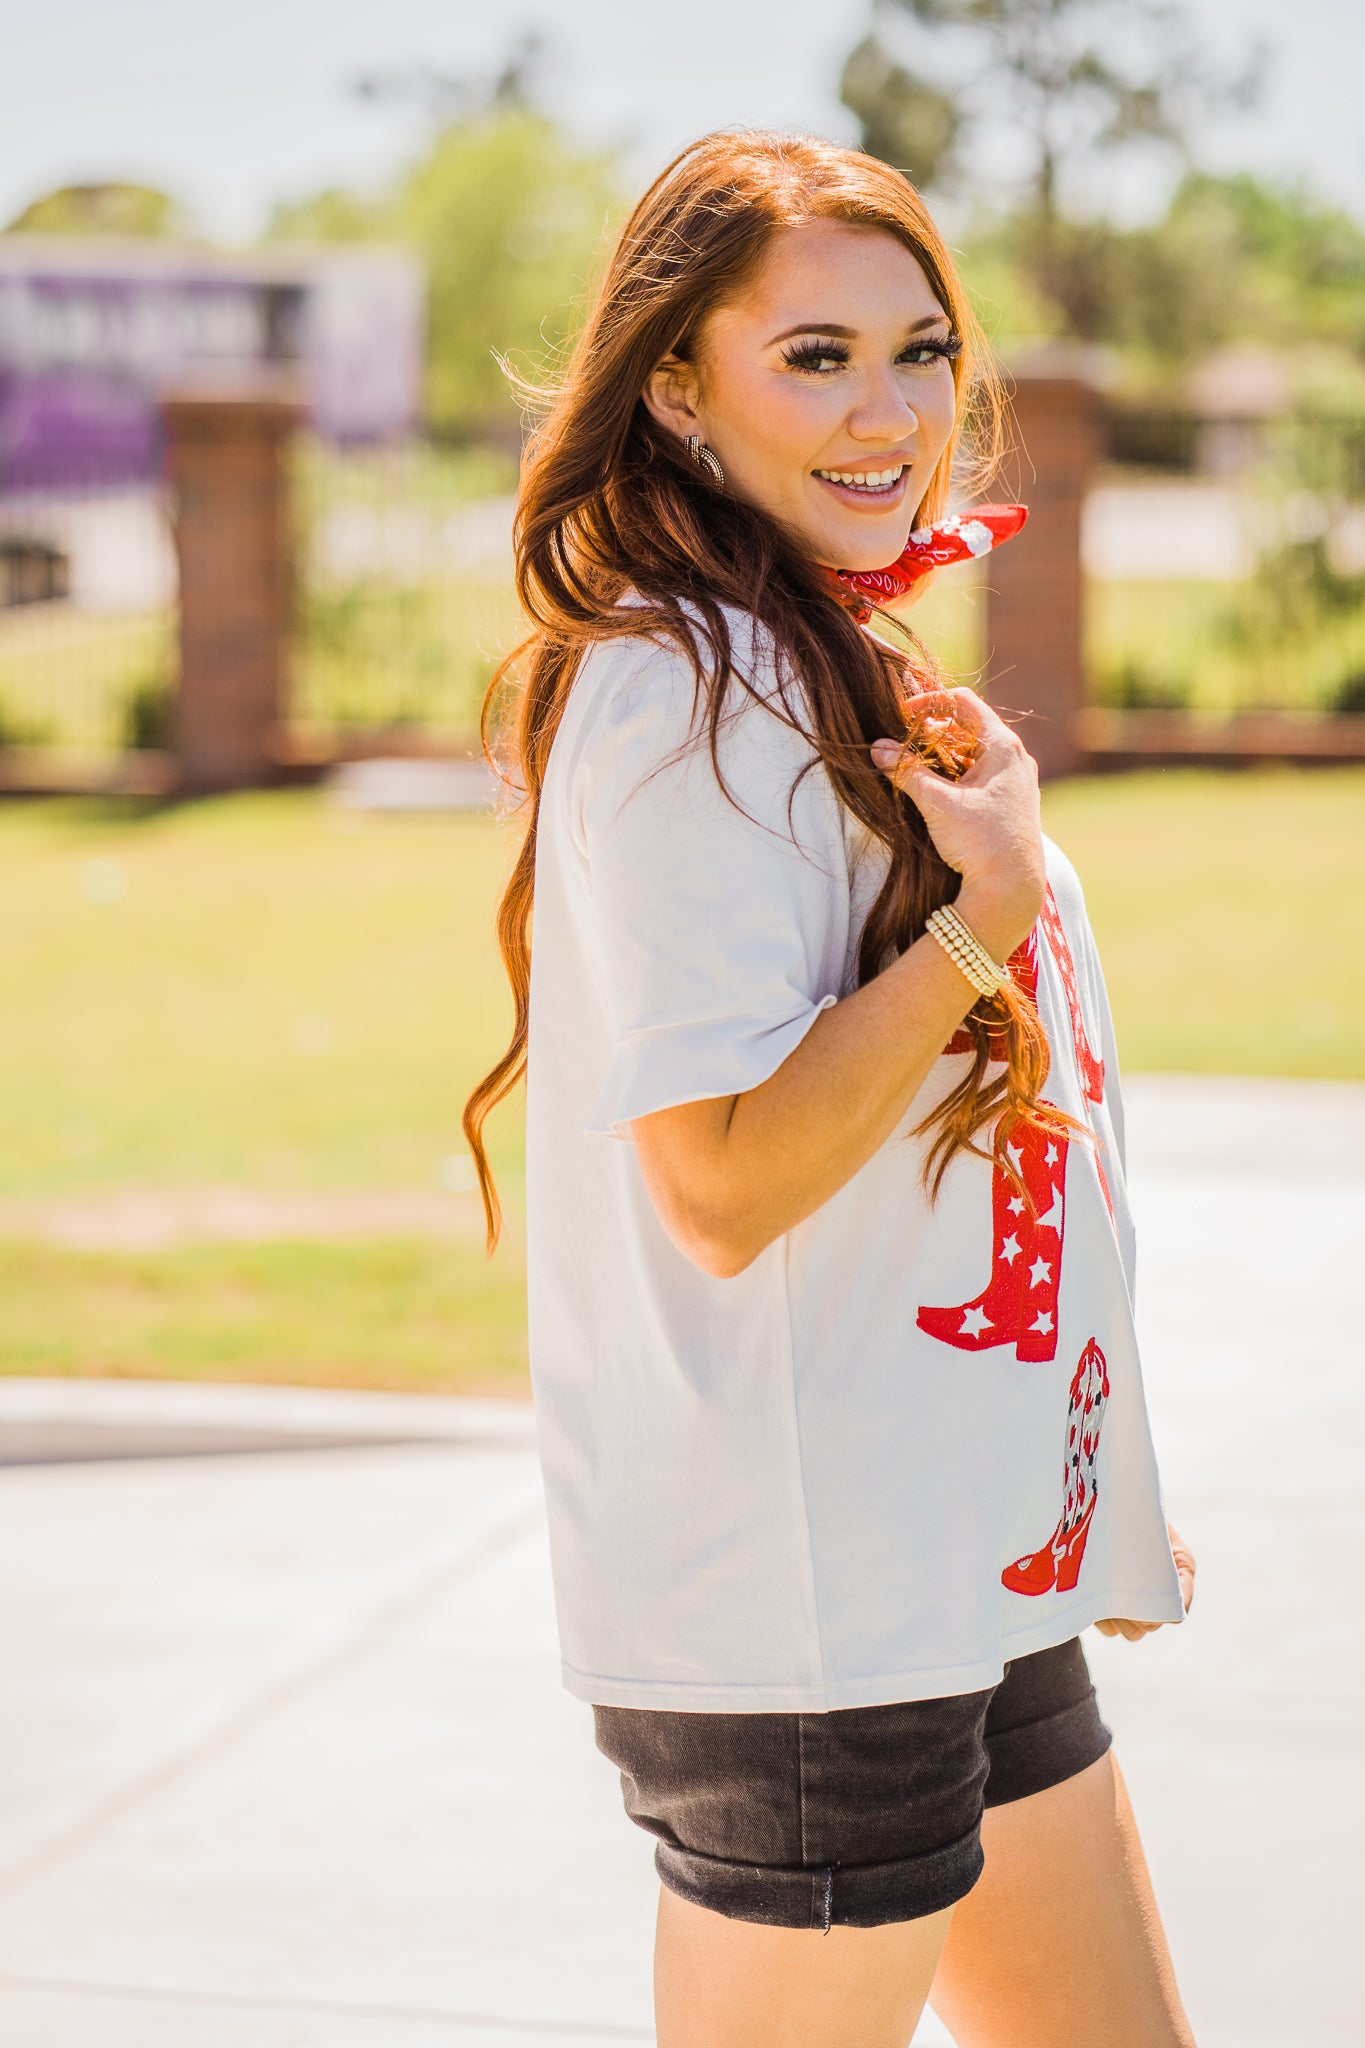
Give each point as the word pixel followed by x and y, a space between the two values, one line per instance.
pixel 851 1818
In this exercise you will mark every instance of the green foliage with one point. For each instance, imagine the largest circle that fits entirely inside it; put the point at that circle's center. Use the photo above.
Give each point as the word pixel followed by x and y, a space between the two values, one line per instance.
pixel 18 729
pixel 404 598
pixel 1277 641
pixel 1285 264
pixel 69 679
pixel 511 219
pixel 378 654
pixel 904 120
pixel 107 209
pixel 1071 81
pixel 1233 258
pixel 1075 83
pixel 149 716
pixel 328 216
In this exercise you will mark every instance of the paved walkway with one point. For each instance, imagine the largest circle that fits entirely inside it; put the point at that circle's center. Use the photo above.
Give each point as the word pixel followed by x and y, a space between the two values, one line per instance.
pixel 283 1756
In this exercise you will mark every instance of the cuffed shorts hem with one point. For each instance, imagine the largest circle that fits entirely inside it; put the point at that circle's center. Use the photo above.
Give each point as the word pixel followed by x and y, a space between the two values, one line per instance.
pixel 1045 1752
pixel 857 1817
pixel 848 1895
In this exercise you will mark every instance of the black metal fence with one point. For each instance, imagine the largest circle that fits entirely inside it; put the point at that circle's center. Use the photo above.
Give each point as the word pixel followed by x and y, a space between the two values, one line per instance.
pixel 1225 564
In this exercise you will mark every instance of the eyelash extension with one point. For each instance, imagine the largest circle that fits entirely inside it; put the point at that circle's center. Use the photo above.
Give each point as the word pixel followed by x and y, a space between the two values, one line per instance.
pixel 804 355
pixel 948 346
pixel 808 355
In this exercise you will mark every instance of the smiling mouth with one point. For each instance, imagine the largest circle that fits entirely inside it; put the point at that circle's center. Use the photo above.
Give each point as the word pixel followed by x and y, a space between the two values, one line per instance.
pixel 878 485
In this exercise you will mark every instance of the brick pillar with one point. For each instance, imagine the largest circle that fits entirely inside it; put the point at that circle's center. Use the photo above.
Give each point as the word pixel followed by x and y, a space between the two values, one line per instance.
pixel 226 458
pixel 1034 586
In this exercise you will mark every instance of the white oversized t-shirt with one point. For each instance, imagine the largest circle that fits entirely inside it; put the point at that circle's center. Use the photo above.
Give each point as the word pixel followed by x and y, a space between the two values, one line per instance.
pixel 909 1441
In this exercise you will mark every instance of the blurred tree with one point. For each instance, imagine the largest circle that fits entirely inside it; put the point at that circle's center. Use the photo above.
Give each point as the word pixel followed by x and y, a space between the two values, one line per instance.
pixel 107 209
pixel 329 216
pixel 1232 259
pixel 1016 105
pixel 904 120
pixel 510 217
pixel 1299 263
pixel 942 83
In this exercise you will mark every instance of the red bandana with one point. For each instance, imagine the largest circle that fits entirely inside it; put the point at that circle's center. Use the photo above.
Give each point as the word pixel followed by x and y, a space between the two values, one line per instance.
pixel 957 539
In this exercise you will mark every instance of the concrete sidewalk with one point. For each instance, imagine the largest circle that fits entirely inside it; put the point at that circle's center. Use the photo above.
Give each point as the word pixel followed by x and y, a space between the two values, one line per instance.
pixel 284 1760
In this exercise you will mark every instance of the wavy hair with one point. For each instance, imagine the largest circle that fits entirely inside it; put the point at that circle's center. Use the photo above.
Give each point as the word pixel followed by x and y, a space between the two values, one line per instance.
pixel 610 503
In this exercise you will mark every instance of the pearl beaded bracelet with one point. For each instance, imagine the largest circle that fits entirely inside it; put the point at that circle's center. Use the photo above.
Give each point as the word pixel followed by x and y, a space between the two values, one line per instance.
pixel 966 951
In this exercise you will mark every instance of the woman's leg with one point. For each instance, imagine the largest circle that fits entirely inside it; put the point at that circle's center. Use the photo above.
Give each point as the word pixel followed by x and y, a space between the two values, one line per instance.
pixel 722 1983
pixel 1060 1942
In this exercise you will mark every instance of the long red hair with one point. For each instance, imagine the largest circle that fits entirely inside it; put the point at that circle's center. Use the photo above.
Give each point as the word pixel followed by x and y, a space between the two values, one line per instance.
pixel 610 502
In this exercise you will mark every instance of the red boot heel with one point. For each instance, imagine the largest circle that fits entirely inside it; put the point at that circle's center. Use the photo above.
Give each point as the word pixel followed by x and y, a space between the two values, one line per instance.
pixel 1073 1550
pixel 1058 1563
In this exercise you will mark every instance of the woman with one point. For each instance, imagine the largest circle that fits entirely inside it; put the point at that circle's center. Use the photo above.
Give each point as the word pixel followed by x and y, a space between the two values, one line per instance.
pixel 839 1403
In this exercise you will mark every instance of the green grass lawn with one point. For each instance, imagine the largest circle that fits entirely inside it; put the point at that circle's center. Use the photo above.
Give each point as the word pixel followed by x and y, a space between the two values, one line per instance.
pixel 267 991
pixel 1230 915
pixel 263 989
pixel 402 1314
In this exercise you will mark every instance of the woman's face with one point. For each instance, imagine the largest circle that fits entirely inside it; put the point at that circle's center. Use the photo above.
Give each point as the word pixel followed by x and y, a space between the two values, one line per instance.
pixel 826 391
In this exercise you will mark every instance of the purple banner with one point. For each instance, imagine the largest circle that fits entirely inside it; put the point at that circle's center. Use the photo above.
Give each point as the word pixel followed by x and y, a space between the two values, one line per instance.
pixel 87 349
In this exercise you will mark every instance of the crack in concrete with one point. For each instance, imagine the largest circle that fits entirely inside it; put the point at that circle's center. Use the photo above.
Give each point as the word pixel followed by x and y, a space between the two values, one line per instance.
pixel 354 1641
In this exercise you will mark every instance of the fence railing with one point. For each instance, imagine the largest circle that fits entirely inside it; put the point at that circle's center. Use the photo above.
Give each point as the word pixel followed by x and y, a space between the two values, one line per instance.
pixel 1225 563
pixel 404 599
pixel 87 620
pixel 1224 559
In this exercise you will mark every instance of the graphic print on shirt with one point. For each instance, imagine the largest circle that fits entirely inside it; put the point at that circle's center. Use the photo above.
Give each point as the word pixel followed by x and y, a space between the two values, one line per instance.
pixel 1058 1563
pixel 1089 1066
pixel 1019 1302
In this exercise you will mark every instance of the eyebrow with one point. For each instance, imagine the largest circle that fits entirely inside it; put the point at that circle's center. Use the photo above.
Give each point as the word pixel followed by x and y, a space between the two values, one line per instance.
pixel 839 333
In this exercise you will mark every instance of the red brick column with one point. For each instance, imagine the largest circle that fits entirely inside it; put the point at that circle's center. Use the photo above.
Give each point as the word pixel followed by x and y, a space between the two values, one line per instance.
pixel 229 479
pixel 1034 586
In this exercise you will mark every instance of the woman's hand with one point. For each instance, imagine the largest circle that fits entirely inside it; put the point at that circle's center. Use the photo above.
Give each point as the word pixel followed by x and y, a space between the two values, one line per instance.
pixel 1185 1566
pixel 987 825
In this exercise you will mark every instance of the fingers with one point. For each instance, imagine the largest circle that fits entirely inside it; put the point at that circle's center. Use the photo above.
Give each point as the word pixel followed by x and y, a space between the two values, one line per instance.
pixel 1131 1631
pixel 1184 1563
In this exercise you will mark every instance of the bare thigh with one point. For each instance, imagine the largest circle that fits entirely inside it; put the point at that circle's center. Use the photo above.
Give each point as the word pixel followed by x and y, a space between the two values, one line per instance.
pixel 722 1983
pixel 1060 1941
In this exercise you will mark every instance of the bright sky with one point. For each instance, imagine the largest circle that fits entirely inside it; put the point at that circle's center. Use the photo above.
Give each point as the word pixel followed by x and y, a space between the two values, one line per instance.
pixel 233 105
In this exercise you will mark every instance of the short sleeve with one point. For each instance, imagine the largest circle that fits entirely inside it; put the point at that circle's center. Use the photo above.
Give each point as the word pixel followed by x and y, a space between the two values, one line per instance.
pixel 721 921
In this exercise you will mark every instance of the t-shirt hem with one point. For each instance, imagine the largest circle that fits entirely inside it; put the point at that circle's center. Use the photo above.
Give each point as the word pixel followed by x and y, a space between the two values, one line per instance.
pixel 881 1689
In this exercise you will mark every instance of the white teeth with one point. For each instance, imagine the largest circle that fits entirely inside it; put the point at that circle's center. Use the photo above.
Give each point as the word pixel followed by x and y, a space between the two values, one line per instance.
pixel 870 480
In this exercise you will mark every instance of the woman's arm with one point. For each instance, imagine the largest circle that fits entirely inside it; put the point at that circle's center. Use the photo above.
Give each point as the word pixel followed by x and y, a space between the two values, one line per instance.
pixel 729 1175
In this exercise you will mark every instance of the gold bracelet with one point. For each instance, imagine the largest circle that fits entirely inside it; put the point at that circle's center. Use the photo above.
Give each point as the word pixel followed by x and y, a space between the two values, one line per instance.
pixel 966 951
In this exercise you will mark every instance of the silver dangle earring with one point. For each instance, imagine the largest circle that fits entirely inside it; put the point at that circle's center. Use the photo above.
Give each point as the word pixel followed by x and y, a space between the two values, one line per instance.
pixel 704 459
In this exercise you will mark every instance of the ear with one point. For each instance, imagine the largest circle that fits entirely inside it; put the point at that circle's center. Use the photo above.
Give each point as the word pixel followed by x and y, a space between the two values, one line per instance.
pixel 672 395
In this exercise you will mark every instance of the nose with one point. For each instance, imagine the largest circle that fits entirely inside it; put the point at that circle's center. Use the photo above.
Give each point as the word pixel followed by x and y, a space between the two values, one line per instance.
pixel 883 412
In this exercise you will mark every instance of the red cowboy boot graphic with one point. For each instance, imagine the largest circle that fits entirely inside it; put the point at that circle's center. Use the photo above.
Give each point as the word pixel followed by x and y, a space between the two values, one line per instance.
pixel 1058 1563
pixel 1091 1068
pixel 1019 1303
